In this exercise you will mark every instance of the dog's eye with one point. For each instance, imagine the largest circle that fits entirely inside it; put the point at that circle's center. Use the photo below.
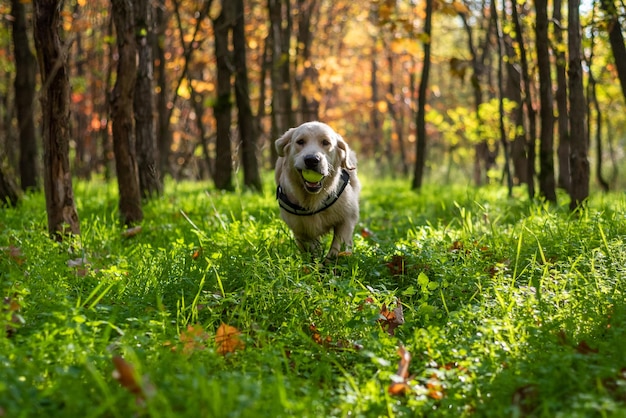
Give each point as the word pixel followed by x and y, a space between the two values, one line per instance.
pixel 326 142
pixel 300 142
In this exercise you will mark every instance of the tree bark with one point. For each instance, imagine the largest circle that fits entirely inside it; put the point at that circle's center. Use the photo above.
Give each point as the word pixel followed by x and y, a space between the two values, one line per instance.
pixel 55 100
pixel 25 71
pixel 9 195
pixel 561 100
pixel 164 136
pixel 306 73
pixel 282 107
pixel 531 132
pixel 547 185
pixel 503 138
pixel 223 104
pixel 616 39
pixel 150 183
pixel 420 147
pixel 122 114
pixel 579 164
pixel 245 120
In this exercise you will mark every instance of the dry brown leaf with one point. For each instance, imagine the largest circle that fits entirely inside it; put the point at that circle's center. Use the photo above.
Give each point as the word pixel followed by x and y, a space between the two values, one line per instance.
pixel 193 339
pixel 400 384
pixel 390 320
pixel 131 232
pixel 227 339
pixel 125 374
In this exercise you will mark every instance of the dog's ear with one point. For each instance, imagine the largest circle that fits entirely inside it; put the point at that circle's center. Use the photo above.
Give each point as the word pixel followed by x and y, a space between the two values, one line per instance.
pixel 283 142
pixel 347 157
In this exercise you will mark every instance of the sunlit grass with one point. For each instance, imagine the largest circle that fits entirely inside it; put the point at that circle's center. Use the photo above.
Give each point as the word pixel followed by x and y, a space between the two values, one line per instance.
pixel 511 307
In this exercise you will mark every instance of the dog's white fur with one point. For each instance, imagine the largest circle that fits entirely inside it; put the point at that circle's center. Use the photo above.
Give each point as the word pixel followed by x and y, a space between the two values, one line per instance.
pixel 316 146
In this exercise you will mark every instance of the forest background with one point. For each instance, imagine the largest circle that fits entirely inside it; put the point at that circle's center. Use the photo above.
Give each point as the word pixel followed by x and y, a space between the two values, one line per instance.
pixel 448 90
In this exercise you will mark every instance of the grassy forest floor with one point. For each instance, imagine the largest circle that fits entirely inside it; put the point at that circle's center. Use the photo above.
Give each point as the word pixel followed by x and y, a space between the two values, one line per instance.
pixel 510 308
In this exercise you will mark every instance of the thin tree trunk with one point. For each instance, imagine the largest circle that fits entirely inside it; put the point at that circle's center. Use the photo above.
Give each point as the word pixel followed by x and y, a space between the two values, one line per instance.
pixel 25 71
pixel 616 39
pixel 223 104
pixel 55 101
pixel 245 120
pixel 579 163
pixel 420 147
pixel 122 114
pixel 547 185
pixel 150 183
pixel 164 136
pixel 282 107
pixel 503 139
pixel 561 100
pixel 9 195
pixel 593 101
pixel 306 73
pixel 531 132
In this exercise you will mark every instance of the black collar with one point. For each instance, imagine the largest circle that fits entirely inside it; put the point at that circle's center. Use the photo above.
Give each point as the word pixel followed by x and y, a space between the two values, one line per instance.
pixel 295 209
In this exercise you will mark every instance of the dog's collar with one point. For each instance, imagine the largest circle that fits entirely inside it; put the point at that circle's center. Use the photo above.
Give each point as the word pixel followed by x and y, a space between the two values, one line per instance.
pixel 295 209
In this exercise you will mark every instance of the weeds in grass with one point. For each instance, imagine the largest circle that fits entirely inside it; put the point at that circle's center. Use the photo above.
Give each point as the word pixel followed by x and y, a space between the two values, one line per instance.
pixel 510 308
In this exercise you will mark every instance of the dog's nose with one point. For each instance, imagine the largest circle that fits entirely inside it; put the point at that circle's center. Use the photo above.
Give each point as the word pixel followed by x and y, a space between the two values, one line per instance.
pixel 312 160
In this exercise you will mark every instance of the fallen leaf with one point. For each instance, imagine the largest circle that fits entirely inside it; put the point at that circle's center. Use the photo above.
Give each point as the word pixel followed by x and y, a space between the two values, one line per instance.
pixel 131 232
pixel 14 253
pixel 125 374
pixel 227 339
pixel 196 253
pixel 400 385
pixel 397 265
pixel 193 339
pixel 390 320
pixel 584 348
pixel 434 387
pixel 12 306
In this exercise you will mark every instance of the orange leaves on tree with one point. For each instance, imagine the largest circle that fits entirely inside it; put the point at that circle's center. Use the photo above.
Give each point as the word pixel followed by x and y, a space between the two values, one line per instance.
pixel 227 339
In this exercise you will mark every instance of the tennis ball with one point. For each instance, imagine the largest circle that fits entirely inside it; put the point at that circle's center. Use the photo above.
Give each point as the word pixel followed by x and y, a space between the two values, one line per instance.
pixel 312 176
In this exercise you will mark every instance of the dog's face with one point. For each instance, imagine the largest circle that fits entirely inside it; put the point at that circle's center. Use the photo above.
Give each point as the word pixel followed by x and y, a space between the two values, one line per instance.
pixel 313 146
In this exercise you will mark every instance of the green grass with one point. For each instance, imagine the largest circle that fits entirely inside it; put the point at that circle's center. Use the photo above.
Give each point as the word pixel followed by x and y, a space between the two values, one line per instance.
pixel 511 308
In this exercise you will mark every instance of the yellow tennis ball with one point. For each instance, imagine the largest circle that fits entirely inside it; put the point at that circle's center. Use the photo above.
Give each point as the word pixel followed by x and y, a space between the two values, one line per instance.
pixel 312 176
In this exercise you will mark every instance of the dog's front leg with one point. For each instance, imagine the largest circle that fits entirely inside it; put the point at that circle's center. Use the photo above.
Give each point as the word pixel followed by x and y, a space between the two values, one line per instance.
pixel 342 236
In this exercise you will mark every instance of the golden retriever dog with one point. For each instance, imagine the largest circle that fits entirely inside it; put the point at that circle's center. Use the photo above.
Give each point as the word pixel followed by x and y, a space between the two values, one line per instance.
pixel 328 198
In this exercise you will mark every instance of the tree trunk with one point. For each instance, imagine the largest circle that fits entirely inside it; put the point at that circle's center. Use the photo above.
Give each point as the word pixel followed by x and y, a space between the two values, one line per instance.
pixel 245 120
pixel 397 118
pixel 122 114
pixel 531 131
pixel 223 105
pixel 503 138
pixel 579 164
pixel 164 136
pixel 547 185
pixel 282 107
pixel 478 64
pixel 561 100
pixel 616 38
pixel 150 183
pixel 306 73
pixel 8 190
pixel 25 70
pixel 55 101
pixel 420 147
